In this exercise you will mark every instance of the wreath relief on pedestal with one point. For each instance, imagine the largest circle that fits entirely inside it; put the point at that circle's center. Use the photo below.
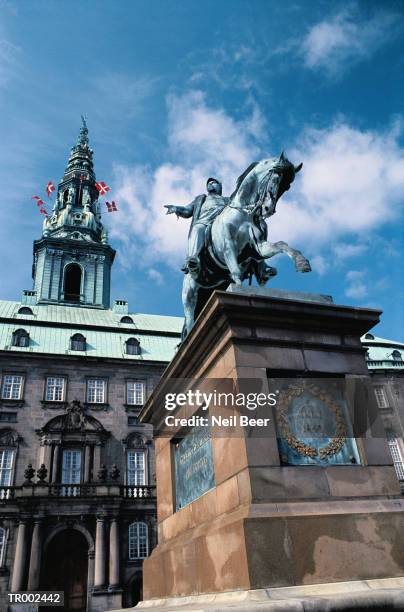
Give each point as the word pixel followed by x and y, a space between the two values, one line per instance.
pixel 336 443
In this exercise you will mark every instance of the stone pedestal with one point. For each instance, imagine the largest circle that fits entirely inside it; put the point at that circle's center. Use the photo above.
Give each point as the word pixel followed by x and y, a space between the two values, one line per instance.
pixel 268 522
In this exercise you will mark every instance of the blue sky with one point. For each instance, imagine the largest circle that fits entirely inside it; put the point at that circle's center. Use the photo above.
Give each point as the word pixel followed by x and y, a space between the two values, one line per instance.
pixel 175 92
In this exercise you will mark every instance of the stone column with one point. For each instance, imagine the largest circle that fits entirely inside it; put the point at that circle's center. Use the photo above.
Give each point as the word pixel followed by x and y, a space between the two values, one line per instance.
pixel 20 558
pixel 114 553
pixel 87 458
pixel 55 462
pixel 35 559
pixel 100 554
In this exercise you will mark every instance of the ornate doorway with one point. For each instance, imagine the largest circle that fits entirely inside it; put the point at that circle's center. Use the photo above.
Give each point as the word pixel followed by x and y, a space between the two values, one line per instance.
pixel 65 569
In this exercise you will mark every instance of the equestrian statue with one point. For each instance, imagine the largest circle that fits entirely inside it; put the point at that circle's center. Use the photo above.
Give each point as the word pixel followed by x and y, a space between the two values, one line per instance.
pixel 228 237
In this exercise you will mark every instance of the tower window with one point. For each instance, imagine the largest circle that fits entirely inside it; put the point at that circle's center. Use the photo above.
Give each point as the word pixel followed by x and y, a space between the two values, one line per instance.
pixel 78 342
pixel 72 283
pixel 133 346
pixel 20 338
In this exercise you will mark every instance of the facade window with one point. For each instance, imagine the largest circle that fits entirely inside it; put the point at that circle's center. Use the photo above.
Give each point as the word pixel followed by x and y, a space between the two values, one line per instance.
pixel 6 466
pixel 396 454
pixel 8 417
pixel 78 342
pixel 135 392
pixel 71 466
pixel 20 338
pixel 12 387
pixel 133 346
pixel 136 468
pixel 55 389
pixel 96 391
pixel 396 355
pixel 138 541
pixel 3 540
pixel 381 397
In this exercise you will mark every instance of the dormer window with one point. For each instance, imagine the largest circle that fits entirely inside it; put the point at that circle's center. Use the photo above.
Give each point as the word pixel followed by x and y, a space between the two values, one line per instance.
pixel 127 320
pixel 133 346
pixel 20 338
pixel 78 342
pixel 396 355
pixel 25 310
pixel 369 337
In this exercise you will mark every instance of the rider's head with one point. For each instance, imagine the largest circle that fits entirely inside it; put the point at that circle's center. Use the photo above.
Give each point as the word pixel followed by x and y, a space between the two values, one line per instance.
pixel 214 186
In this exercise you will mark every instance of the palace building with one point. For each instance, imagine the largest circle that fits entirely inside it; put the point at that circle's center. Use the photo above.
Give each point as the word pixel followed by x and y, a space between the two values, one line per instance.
pixel 77 486
pixel 385 361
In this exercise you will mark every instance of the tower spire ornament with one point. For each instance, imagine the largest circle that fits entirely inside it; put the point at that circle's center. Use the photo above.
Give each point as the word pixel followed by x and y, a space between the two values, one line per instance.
pixel 83 136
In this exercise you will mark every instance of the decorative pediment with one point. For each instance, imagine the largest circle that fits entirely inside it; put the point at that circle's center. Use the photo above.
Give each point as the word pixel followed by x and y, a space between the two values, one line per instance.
pixel 74 420
pixel 9 437
pixel 135 440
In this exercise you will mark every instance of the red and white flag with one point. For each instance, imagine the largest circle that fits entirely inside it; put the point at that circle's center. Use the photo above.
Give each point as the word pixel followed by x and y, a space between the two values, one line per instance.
pixel 50 188
pixel 111 206
pixel 40 203
pixel 35 198
pixel 43 212
pixel 102 187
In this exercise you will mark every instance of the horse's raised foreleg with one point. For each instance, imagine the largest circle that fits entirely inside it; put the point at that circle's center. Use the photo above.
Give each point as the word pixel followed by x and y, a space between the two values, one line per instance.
pixel 189 301
pixel 269 249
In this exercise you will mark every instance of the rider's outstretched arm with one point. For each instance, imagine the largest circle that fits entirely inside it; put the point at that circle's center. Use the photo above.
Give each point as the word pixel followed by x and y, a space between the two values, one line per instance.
pixel 181 211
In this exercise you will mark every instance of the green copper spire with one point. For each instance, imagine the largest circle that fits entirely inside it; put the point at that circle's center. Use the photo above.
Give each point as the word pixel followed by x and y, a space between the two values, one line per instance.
pixel 76 212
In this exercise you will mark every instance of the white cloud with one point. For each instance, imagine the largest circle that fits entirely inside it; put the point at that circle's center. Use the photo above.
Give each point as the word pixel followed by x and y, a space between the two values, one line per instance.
pixel 356 284
pixel 156 276
pixel 351 184
pixel 336 43
pixel 319 264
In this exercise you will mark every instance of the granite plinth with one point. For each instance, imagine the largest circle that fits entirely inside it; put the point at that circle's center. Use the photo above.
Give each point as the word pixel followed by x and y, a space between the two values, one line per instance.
pixel 268 524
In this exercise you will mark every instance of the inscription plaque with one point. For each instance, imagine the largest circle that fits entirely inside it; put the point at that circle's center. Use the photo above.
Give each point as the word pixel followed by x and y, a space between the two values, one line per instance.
pixel 194 471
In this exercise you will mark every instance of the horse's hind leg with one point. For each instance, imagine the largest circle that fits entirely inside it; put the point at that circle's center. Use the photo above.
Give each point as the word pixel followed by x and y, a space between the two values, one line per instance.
pixel 189 300
pixel 268 249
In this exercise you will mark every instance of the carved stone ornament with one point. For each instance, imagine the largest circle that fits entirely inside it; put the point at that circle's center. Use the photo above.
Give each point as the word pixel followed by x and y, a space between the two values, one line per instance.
pixel 9 437
pixel 299 445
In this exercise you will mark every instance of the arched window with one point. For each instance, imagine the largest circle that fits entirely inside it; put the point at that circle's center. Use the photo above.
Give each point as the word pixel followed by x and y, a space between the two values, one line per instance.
pixel 78 342
pixel 3 538
pixel 65 196
pixel 72 283
pixel 138 541
pixel 20 338
pixel 133 346
pixel 127 320
pixel 25 310
pixel 396 355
